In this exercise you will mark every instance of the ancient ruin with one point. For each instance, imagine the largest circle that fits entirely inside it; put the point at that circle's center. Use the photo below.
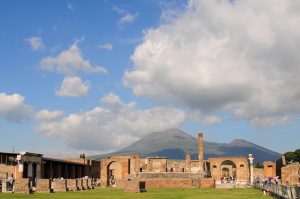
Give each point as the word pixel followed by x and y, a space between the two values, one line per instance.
pixel 26 172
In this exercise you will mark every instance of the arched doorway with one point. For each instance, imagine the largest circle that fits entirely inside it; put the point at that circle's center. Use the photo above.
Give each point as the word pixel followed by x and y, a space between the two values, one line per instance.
pixel 228 171
pixel 114 173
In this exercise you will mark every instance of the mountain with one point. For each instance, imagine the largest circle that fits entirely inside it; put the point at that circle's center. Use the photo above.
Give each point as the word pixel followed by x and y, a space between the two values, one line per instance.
pixel 174 143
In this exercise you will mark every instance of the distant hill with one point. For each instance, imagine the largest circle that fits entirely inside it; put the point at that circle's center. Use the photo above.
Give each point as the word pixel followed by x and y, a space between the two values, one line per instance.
pixel 173 143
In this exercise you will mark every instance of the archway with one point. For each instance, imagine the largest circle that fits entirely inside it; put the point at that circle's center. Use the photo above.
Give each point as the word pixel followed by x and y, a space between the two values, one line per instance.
pixel 114 173
pixel 228 171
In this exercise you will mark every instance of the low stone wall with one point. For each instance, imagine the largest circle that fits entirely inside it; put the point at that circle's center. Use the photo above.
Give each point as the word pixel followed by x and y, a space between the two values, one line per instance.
pixel 72 184
pixel 168 183
pixel 59 185
pixel 133 186
pixel 289 174
pixel 165 175
pixel 22 185
pixel 207 183
pixel 43 185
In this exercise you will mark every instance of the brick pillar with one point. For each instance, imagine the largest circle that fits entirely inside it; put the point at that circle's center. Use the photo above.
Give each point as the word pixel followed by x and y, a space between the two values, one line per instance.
pixel 137 163
pixel 20 170
pixel 187 162
pixel 200 152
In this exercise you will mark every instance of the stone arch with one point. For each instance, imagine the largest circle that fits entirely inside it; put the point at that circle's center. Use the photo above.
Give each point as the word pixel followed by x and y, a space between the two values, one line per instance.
pixel 242 173
pixel 228 168
pixel 114 173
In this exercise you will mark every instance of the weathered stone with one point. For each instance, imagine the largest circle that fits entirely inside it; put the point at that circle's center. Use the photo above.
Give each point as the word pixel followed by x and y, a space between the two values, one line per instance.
pixel 22 185
pixel 43 185
pixel 59 185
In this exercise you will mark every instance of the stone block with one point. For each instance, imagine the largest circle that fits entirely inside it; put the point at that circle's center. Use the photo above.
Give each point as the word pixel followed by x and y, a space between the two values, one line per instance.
pixel 207 183
pixel 43 185
pixel 134 186
pixel 22 185
pixel 59 185
pixel 71 184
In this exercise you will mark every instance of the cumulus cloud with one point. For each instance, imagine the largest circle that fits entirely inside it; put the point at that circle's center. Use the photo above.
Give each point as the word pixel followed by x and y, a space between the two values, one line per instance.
pixel 113 125
pixel 73 86
pixel 107 46
pixel 126 16
pixel 46 115
pixel 70 62
pixel 240 56
pixel 36 43
pixel 13 108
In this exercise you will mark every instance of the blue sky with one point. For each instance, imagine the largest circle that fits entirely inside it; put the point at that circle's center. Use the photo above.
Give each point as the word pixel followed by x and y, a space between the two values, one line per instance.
pixel 95 76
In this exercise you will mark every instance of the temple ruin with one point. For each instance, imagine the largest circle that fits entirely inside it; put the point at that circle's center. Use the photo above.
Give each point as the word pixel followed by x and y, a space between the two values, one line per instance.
pixel 26 172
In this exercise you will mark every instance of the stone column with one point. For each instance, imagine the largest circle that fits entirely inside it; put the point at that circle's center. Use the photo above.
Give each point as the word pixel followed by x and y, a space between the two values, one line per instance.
pixel 187 162
pixel 250 158
pixel 29 169
pixel 38 170
pixel 200 152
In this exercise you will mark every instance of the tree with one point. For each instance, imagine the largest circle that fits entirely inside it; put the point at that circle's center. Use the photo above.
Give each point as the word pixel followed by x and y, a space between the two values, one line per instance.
pixel 297 152
pixel 290 156
pixel 259 165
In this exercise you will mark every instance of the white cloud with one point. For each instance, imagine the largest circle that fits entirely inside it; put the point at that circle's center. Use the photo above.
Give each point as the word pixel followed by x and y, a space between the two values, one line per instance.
pixel 240 56
pixel 211 120
pixel 36 43
pixel 73 86
pixel 114 125
pixel 70 7
pixel 46 115
pixel 126 16
pixel 70 62
pixel 107 46
pixel 12 107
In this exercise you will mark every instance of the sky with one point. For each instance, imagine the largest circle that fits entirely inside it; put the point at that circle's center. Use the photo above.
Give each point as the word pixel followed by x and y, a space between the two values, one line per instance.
pixel 95 76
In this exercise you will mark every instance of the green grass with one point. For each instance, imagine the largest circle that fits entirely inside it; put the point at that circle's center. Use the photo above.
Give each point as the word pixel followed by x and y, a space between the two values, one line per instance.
pixel 151 193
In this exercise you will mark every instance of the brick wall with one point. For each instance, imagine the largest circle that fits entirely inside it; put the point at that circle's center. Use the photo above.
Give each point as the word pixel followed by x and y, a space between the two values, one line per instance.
pixel 207 183
pixel 21 185
pixel 132 186
pixel 289 173
pixel 168 183
pixel 6 170
pixel 168 175
pixel 59 185
pixel 43 185
pixel 258 172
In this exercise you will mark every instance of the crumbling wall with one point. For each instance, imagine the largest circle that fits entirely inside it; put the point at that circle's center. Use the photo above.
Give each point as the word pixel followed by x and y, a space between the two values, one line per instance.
pixel 21 185
pixel 43 185
pixel 289 173
pixel 59 185
pixel 6 171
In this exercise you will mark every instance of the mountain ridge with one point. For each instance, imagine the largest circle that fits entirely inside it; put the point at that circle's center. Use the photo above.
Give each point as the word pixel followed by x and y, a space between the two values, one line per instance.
pixel 174 143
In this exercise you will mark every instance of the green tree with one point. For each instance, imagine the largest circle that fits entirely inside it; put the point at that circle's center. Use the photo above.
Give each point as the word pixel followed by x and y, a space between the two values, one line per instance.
pixel 290 156
pixel 259 165
pixel 297 152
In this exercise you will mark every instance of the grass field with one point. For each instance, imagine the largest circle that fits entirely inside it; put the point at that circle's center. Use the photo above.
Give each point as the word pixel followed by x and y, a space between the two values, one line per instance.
pixel 151 193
